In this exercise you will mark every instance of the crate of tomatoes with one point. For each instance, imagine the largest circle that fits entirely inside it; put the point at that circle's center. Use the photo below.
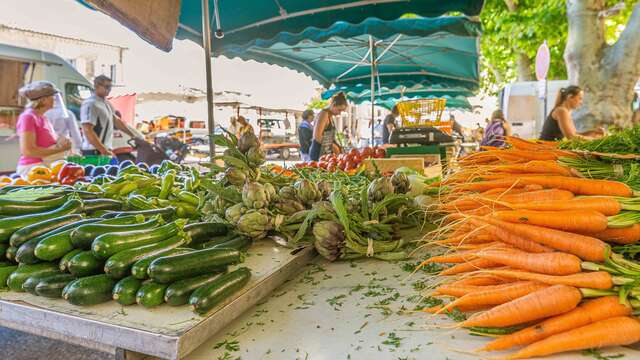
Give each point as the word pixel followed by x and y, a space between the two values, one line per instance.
pixel 345 161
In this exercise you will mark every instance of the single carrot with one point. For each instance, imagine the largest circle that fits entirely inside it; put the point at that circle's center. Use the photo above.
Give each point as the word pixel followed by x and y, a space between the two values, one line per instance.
pixel 626 235
pixel 523 144
pixel 451 258
pixel 478 238
pixel 510 238
pixel 482 280
pixel 495 295
pixel 536 166
pixel 504 191
pixel 583 221
pixel 457 290
pixel 594 280
pixel 587 313
pixel 577 186
pixel 472 202
pixel 585 247
pixel 544 303
pixel 469 266
pixel 553 263
pixel 616 331
pixel 605 205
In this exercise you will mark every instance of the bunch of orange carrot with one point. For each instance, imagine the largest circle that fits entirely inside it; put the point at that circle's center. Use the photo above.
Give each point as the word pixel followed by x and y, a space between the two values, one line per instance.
pixel 529 246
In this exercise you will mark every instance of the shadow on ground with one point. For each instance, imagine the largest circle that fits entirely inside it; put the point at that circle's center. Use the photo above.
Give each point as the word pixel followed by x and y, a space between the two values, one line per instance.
pixel 16 345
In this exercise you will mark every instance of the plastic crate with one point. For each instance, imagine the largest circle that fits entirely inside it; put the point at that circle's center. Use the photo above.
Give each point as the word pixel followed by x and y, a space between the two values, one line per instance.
pixel 97 160
pixel 424 112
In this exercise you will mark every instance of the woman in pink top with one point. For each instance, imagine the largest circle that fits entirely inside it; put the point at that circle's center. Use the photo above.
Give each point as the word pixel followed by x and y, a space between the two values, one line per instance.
pixel 37 139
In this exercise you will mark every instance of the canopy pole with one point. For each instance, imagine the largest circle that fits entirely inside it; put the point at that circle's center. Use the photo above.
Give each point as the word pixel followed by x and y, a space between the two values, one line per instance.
pixel 372 52
pixel 206 44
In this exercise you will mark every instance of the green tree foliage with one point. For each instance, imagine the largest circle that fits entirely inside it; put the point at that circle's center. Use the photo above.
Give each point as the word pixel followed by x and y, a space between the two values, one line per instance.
pixel 317 104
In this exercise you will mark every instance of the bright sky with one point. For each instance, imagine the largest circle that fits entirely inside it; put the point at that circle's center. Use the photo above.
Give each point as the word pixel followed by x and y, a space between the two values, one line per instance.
pixel 269 85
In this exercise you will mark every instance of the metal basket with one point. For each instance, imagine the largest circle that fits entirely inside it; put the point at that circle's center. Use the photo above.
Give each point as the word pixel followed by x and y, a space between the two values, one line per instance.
pixel 424 112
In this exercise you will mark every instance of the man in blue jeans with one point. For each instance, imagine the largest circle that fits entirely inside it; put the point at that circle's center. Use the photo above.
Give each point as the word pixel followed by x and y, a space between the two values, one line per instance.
pixel 305 134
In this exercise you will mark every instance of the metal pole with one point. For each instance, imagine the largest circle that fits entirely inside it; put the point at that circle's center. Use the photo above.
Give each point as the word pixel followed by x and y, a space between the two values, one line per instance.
pixel 372 51
pixel 206 44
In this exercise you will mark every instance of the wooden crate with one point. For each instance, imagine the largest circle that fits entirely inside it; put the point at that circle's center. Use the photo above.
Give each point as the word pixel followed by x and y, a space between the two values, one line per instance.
pixel 390 165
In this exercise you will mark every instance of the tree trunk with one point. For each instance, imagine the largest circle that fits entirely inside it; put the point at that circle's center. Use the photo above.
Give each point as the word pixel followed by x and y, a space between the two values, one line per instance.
pixel 606 73
pixel 524 67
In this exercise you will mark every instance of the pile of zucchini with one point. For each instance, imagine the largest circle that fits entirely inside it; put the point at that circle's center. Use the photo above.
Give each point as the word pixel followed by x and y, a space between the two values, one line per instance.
pixel 88 251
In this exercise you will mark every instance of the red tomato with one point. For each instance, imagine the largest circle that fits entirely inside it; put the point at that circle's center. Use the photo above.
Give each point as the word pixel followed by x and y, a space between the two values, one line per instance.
pixel 366 151
pixel 380 153
pixel 331 167
pixel 322 164
pixel 312 164
pixel 356 159
pixel 341 164
pixel 353 152
pixel 349 165
pixel 342 157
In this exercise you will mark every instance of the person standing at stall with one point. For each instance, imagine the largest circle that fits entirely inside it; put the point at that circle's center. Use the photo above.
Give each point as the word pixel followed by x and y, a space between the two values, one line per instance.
pixel 98 120
pixel 559 124
pixel 305 134
pixel 37 138
pixel 324 129
pixel 243 126
pixel 64 123
pixel 498 128
pixel 389 124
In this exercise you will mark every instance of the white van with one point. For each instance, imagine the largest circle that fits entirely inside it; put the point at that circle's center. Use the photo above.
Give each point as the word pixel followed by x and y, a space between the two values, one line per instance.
pixel 19 66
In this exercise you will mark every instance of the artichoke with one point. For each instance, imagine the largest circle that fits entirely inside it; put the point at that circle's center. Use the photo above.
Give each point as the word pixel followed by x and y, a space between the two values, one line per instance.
pixel 254 196
pixel 256 156
pixel 401 183
pixel 329 239
pixel 307 191
pixel 287 192
pixel 270 191
pixel 247 141
pixel 379 188
pixel 325 188
pixel 235 176
pixel 254 224
pixel 216 206
pixel 288 207
pixel 233 213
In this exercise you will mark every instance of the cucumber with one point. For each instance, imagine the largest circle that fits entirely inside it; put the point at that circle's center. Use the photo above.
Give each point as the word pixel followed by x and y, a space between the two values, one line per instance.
pixel 85 264
pixel 10 254
pixel 30 284
pixel 64 262
pixel 9 225
pixel 91 206
pixel 84 235
pixel 179 292
pixel 54 247
pixel 166 213
pixel 31 231
pixel 214 241
pixel 204 231
pixel 118 265
pixel 5 272
pixel 177 267
pixel 126 289
pixel 26 253
pixel 151 294
pixel 18 277
pixel 106 245
pixel 52 286
pixel 240 243
pixel 139 269
pixel 22 207
pixel 89 290
pixel 208 296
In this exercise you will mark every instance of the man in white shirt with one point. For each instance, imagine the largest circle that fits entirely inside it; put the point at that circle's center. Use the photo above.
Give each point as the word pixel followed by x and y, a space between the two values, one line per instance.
pixel 64 123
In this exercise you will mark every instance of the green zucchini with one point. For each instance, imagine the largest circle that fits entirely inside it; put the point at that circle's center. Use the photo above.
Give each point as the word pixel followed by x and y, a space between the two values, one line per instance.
pixel 166 213
pixel 110 244
pixel 139 269
pixel 85 264
pixel 52 286
pixel 54 247
pixel 84 235
pixel 126 289
pixel 18 277
pixel 10 254
pixel 89 290
pixel 118 265
pixel 70 226
pixel 151 294
pixel 179 292
pixel 208 296
pixel 31 231
pixel 5 272
pixel 177 267
pixel 30 284
pixel 22 207
pixel 64 262
pixel 204 231
pixel 26 253
pixel 240 243
pixel 214 241
pixel 9 225
pixel 91 206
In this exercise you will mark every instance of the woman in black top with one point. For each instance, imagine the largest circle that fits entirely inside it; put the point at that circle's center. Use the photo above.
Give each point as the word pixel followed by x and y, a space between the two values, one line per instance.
pixel 305 134
pixel 389 124
pixel 559 124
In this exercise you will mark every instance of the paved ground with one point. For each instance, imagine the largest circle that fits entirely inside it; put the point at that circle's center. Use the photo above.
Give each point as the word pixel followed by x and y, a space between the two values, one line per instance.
pixel 16 345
